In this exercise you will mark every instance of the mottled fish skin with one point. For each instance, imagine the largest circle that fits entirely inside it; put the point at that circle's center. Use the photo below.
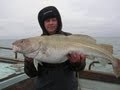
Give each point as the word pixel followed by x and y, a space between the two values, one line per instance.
pixel 55 48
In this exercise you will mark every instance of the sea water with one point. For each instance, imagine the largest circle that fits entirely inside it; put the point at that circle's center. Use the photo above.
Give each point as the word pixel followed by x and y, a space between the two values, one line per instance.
pixel 115 41
pixel 6 52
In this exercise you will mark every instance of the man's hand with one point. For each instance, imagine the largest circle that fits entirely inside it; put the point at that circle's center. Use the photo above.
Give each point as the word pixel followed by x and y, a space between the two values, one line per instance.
pixel 76 57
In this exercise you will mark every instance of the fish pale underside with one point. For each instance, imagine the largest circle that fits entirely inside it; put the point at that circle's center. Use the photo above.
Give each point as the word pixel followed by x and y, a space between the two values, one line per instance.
pixel 55 48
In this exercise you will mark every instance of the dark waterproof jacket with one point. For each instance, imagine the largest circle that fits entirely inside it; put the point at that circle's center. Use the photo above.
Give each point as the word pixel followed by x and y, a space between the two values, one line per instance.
pixel 53 76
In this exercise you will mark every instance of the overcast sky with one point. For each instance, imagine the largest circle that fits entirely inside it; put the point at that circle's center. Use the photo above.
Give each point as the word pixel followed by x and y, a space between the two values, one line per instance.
pixel 18 18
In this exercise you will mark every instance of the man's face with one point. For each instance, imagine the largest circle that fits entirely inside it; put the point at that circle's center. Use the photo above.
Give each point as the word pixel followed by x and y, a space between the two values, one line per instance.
pixel 51 25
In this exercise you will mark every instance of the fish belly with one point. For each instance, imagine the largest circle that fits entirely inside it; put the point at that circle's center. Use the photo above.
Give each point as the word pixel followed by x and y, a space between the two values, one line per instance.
pixel 52 56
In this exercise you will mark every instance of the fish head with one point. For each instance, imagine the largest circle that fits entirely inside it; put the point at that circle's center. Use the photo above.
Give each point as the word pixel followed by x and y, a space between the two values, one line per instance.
pixel 24 46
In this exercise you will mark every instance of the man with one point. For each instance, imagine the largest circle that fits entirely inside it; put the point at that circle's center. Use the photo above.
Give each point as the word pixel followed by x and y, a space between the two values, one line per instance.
pixel 54 76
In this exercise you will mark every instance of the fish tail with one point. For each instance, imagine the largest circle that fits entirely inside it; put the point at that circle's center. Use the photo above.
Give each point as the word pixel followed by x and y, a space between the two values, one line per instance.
pixel 116 67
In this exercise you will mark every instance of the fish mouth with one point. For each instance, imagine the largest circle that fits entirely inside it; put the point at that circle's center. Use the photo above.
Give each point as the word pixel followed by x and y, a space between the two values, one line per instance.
pixel 15 48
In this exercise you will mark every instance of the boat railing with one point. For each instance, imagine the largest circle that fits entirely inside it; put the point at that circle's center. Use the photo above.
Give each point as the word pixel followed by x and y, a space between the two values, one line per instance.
pixel 100 76
pixel 92 64
pixel 10 59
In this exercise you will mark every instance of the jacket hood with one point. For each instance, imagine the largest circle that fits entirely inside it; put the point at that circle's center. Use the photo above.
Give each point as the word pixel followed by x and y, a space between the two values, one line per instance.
pixel 46 13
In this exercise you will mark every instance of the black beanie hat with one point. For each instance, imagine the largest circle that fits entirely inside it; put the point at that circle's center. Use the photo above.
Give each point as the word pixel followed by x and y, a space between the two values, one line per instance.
pixel 46 13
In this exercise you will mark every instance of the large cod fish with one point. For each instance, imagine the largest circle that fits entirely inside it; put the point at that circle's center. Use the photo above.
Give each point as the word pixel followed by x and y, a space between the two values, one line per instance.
pixel 55 48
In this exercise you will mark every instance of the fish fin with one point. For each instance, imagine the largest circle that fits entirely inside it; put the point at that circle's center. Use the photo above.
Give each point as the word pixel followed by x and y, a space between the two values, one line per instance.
pixel 84 38
pixel 107 47
pixel 116 67
pixel 41 63
pixel 35 64
pixel 35 61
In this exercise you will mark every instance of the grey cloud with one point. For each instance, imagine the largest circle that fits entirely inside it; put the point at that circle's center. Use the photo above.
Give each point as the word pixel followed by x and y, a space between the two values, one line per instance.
pixel 93 17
